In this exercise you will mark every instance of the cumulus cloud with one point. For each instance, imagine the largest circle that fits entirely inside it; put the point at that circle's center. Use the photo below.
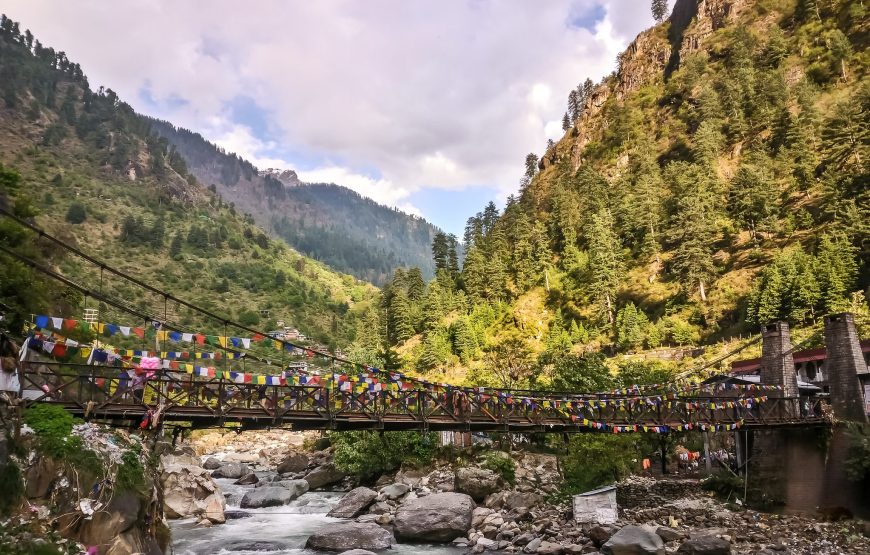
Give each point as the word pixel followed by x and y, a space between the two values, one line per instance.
pixel 384 96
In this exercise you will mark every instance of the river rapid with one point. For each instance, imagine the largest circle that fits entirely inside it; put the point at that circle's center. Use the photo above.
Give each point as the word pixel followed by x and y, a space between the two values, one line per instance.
pixel 273 530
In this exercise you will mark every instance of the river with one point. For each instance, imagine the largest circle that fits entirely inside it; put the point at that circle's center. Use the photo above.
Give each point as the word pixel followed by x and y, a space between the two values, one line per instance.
pixel 274 530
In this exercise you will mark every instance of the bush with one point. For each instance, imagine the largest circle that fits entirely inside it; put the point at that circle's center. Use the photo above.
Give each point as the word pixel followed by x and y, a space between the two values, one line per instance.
pixel 722 484
pixel 502 465
pixel 858 458
pixel 12 487
pixel 131 473
pixel 53 428
pixel 368 454
pixel 76 213
pixel 595 460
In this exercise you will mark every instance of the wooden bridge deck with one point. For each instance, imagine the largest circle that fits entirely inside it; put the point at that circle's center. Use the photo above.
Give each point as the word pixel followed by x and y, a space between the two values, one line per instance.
pixel 99 393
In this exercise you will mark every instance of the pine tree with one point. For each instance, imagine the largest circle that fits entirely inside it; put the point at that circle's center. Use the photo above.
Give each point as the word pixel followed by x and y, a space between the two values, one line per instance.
pixel 452 257
pixel 474 275
pixel 440 251
pixel 753 199
pixel 566 122
pixel 531 165
pixel 415 284
pixel 659 10
pixel 836 270
pixel 400 319
pixel 175 246
pixel 605 261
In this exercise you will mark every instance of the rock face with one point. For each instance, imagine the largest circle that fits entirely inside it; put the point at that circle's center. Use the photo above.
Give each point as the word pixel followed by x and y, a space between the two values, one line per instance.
pixel 113 527
pixel 512 499
pixel 634 540
pixel 293 462
pixel 270 496
pixel 324 475
pixel 438 517
pixel 353 503
pixel 351 535
pixel 705 545
pixel 231 470
pixel 190 491
pixel 476 482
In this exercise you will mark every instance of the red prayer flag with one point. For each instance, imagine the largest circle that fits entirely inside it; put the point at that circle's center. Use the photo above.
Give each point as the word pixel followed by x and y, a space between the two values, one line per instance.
pixel 140 332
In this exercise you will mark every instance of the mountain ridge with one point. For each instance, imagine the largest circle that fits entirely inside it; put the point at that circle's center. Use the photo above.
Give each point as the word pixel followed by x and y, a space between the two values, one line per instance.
pixel 328 222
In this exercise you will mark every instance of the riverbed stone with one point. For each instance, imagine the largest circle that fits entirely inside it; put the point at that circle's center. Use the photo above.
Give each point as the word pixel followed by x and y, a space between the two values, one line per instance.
pixel 351 535
pixel 439 517
pixel 324 475
pixel 394 491
pixel 634 540
pixel 212 463
pixel 705 545
pixel 271 496
pixel 247 480
pixel 293 462
pixel 476 482
pixel 296 487
pixel 231 470
pixel 353 503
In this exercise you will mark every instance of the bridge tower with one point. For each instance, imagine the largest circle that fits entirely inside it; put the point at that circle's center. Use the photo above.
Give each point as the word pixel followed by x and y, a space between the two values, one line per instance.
pixel 777 361
pixel 843 362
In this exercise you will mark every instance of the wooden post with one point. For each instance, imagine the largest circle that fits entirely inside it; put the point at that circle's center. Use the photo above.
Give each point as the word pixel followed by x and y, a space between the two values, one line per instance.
pixel 707 463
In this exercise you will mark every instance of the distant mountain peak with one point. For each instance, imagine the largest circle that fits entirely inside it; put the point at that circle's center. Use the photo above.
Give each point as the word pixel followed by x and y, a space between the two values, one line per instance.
pixel 287 177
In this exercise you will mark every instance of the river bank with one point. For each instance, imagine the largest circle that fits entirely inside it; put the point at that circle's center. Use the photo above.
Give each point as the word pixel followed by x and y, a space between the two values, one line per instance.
pixel 450 509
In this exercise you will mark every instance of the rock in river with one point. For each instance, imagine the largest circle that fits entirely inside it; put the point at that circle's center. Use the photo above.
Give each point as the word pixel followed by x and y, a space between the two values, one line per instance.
pixel 271 496
pixel 231 470
pixel 353 503
pixel 190 491
pixel 324 475
pixel 437 517
pixel 351 535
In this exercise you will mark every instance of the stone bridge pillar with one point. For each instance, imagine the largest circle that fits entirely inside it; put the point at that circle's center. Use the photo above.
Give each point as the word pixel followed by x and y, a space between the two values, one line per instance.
pixel 844 360
pixel 777 362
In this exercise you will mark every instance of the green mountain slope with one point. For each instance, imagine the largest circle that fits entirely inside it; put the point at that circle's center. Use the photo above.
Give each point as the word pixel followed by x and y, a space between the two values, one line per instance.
pixel 94 174
pixel 327 222
pixel 717 180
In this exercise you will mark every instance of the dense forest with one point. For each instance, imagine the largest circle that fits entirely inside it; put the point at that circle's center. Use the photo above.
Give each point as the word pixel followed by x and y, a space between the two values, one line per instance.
pixel 327 222
pixel 716 181
pixel 87 168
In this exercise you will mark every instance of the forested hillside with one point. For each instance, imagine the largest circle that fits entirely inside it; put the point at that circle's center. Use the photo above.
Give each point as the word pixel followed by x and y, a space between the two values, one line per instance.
pixel 717 180
pixel 87 168
pixel 327 222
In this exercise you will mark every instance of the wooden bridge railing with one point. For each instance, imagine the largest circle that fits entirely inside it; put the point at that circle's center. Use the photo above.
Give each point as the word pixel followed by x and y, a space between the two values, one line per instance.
pixel 105 393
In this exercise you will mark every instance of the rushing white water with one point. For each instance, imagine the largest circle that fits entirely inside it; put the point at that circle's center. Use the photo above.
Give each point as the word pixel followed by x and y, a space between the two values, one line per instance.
pixel 273 530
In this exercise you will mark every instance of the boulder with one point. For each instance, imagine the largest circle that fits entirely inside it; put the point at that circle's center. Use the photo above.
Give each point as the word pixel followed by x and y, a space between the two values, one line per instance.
pixel 705 545
pixel 441 480
pixel 40 478
pixel 669 534
pixel 599 535
pixel 394 491
pixel 353 503
pixel 634 540
pixel 476 482
pixel 293 462
pixel 296 487
pixel 351 536
pixel 512 500
pixel 212 463
pixel 233 471
pixel 324 475
pixel 247 480
pixel 549 548
pixel 437 517
pixel 271 496
pixel 189 491
pixel 533 545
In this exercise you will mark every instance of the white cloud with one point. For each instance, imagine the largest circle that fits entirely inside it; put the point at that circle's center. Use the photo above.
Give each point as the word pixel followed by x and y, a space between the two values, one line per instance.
pixel 380 190
pixel 422 94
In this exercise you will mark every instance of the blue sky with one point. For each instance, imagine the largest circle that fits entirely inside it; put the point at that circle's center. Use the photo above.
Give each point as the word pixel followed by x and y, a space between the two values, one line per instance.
pixel 428 106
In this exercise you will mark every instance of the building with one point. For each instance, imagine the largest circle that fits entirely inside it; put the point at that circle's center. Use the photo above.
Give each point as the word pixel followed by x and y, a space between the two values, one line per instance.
pixel 809 365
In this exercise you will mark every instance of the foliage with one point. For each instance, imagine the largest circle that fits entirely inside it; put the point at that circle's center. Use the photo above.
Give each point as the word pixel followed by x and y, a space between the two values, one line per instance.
pixel 130 475
pixel 12 486
pixel 53 430
pixel 858 458
pixel 595 460
pixel 501 464
pixel 723 484
pixel 370 454
pixel 76 213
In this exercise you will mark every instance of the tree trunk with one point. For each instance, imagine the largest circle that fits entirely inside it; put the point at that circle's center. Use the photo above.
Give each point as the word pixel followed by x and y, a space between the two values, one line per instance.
pixel 609 308
pixel 701 289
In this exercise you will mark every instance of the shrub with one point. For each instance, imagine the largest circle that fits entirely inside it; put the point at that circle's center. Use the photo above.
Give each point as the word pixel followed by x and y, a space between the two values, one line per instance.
pixel 368 454
pixel 502 465
pixel 131 473
pixel 12 487
pixel 722 484
pixel 76 213
pixel 53 428
pixel 595 460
